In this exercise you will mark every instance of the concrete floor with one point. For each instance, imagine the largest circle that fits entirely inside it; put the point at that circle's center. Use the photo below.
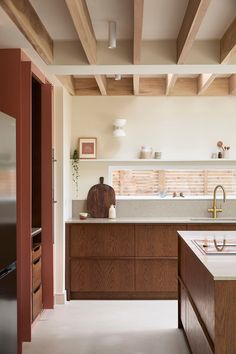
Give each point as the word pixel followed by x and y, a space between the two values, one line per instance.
pixel 108 327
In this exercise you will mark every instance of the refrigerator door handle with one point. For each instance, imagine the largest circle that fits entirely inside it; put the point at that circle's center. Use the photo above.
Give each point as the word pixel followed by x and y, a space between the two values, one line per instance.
pixel 4 272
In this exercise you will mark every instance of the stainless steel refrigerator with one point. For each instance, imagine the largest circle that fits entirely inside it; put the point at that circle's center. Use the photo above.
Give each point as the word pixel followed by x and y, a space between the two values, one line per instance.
pixel 8 300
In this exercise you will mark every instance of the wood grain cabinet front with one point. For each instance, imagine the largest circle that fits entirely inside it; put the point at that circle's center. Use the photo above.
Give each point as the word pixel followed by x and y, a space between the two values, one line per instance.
pixel 122 261
pixel 36 270
pixel 37 302
pixel 102 240
pixel 158 275
pixel 102 275
pixel 157 240
pixel 195 334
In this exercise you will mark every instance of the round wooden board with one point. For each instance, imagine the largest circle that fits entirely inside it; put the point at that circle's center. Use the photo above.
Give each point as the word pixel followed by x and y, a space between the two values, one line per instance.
pixel 100 197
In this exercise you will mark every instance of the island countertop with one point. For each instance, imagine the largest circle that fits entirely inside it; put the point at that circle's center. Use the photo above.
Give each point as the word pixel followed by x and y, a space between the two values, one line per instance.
pixel 154 220
pixel 221 267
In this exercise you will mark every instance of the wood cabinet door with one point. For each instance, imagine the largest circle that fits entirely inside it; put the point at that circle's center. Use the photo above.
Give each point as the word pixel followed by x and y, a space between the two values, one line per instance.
pixel 102 240
pixel 102 275
pixel 156 275
pixel 195 334
pixel 157 240
pixel 183 306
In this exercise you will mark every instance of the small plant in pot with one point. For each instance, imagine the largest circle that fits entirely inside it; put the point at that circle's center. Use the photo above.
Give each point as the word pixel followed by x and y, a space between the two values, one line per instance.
pixel 75 170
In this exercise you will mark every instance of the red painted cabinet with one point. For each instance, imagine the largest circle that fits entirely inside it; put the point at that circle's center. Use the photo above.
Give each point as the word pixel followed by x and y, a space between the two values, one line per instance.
pixel 17 74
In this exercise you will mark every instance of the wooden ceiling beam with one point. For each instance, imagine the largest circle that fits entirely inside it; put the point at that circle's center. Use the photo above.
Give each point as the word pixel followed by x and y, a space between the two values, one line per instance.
pixel 136 83
pixel 26 19
pixel 204 81
pixel 193 18
pixel 80 15
pixel 170 82
pixel 68 82
pixel 228 43
pixel 232 84
pixel 102 84
pixel 138 29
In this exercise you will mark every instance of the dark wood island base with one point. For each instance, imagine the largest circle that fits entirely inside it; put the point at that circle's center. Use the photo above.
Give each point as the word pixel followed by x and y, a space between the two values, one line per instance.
pixel 207 306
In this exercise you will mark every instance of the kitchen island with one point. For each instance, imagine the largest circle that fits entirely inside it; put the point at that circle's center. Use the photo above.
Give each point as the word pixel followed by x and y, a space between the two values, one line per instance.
pixel 207 292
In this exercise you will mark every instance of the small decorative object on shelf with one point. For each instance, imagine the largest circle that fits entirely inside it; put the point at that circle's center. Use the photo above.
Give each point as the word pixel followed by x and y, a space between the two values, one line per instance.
pixel 87 148
pixel 75 170
pixel 224 153
pixel 146 152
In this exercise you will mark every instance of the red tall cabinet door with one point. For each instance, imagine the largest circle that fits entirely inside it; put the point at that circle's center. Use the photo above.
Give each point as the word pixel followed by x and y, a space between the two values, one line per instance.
pixel 15 100
pixel 47 194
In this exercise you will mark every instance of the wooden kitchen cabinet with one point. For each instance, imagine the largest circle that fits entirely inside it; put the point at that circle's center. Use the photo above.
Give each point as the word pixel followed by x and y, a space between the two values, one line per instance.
pixel 102 275
pixel 206 305
pixel 157 240
pixel 102 240
pixel 157 275
pixel 121 261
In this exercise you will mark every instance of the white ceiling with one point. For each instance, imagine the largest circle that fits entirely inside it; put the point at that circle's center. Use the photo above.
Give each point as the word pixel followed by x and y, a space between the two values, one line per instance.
pixel 219 16
pixel 56 18
pixel 162 18
pixel 103 11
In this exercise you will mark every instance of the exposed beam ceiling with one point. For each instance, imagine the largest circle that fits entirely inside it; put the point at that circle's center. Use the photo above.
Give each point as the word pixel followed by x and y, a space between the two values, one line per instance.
pixel 204 81
pixel 170 82
pixel 138 28
pixel 193 18
pixel 156 86
pixel 228 43
pixel 232 85
pixel 26 19
pixel 68 83
pixel 102 83
pixel 80 15
pixel 141 69
pixel 136 84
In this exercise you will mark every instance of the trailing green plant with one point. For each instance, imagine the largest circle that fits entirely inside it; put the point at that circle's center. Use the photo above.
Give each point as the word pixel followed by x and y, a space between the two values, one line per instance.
pixel 75 170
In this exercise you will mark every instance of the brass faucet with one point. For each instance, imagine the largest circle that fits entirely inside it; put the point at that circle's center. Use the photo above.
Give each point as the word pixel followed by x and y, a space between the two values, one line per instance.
pixel 214 210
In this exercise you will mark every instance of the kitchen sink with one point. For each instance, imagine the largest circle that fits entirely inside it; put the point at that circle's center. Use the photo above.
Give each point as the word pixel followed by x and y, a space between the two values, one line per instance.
pixel 211 219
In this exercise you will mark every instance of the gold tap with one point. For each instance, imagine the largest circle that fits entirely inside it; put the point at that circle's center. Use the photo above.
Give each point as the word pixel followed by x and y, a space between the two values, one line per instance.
pixel 214 210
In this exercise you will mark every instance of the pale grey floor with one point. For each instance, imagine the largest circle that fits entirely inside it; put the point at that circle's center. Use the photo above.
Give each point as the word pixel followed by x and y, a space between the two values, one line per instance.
pixel 109 327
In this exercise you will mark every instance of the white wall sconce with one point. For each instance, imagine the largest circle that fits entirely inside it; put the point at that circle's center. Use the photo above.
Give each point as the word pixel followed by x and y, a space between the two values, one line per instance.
pixel 112 35
pixel 119 127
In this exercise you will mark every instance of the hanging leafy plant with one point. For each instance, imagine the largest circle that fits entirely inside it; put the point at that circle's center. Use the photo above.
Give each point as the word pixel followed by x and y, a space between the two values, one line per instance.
pixel 75 170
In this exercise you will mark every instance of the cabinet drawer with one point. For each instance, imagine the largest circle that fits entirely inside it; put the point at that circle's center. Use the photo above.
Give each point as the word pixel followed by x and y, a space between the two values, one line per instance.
pixel 36 273
pixel 102 275
pixel 157 240
pixel 36 252
pixel 102 240
pixel 37 302
pixel 156 275
pixel 196 337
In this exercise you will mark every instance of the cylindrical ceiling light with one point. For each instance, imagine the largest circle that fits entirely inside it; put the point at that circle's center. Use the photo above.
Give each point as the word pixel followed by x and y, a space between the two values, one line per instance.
pixel 117 77
pixel 112 35
pixel 119 127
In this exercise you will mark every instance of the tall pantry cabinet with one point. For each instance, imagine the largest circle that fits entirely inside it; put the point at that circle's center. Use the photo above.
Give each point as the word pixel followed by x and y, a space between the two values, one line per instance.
pixel 26 95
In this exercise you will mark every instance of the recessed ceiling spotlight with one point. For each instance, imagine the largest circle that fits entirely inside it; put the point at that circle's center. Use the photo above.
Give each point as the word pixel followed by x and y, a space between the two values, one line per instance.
pixel 112 35
pixel 117 77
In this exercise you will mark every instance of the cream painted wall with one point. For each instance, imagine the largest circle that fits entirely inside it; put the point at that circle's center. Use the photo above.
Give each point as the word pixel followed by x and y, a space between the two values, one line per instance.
pixel 63 207
pixel 180 127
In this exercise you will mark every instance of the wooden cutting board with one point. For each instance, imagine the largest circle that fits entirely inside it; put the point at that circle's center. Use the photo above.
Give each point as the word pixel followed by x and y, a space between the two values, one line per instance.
pixel 100 197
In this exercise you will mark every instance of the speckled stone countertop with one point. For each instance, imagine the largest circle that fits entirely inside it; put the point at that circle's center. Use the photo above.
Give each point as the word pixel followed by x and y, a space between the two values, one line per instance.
pixel 222 267
pixel 154 220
